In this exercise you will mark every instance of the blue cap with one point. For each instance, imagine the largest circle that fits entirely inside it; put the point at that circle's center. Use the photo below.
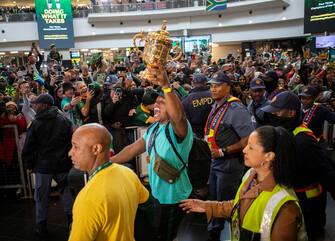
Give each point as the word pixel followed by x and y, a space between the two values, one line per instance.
pixel 284 100
pixel 199 78
pixel 111 79
pixel 220 78
pixel 309 91
pixel 44 99
pixel 257 83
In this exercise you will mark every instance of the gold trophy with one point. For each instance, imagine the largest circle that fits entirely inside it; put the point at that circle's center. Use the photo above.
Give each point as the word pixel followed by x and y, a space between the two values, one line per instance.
pixel 156 51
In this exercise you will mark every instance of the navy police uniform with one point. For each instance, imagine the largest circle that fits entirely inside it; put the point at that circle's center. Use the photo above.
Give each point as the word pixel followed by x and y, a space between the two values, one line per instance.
pixel 197 106
pixel 315 116
pixel 225 126
pixel 254 108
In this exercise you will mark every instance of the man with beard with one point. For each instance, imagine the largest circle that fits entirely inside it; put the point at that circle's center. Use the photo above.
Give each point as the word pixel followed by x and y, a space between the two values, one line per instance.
pixel 315 114
pixel 257 90
pixel 314 172
pixel 227 130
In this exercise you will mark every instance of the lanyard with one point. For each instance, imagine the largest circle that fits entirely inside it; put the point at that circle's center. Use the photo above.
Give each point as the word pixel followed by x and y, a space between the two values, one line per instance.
pixel 309 115
pixel 237 206
pixel 215 116
pixel 100 168
pixel 152 139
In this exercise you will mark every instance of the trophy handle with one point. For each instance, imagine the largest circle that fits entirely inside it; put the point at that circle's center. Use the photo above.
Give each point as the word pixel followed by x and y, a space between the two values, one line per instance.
pixel 139 36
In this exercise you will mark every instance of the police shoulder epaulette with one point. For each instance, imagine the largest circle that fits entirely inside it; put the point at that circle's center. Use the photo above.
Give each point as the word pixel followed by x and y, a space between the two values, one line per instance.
pixel 234 105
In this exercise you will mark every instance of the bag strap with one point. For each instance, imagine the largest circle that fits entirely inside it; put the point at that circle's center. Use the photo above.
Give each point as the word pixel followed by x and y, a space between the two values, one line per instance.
pixel 168 136
pixel 152 138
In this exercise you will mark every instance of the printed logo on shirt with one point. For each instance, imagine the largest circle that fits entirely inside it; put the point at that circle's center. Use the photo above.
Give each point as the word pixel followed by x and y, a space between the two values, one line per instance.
pixel 201 102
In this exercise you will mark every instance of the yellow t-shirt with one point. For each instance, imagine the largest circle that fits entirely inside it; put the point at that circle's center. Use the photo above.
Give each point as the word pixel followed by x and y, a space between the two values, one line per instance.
pixel 105 208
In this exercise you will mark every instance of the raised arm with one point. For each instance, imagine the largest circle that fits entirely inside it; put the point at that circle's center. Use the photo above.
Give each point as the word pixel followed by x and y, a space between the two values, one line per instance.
pixel 174 107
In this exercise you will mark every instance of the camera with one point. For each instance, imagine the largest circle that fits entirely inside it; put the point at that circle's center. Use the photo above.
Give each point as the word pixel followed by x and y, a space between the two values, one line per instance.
pixel 118 91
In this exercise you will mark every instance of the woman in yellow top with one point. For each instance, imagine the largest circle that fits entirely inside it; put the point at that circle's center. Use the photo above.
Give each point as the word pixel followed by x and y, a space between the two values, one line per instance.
pixel 264 207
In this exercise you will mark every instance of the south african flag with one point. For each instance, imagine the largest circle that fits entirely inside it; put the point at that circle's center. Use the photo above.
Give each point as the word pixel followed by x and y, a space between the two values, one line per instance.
pixel 216 5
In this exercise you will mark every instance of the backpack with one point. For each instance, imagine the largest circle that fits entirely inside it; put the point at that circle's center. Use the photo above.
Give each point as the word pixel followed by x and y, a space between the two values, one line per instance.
pixel 199 160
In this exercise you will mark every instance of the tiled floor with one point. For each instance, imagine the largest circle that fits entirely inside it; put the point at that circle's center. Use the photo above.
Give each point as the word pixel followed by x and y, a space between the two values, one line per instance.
pixel 17 220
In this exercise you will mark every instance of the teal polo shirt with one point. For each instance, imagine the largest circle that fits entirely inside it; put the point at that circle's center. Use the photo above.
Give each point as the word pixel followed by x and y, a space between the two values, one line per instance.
pixel 165 192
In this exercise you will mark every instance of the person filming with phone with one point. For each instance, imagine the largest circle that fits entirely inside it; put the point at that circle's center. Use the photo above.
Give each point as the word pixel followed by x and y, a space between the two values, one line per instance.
pixel 118 110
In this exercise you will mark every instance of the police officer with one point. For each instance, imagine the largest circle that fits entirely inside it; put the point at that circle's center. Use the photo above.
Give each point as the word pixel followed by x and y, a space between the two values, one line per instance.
pixel 313 169
pixel 314 114
pixel 227 129
pixel 257 91
pixel 198 104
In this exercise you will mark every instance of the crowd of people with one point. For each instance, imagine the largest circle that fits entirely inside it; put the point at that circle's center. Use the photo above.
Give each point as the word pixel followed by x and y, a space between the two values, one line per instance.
pixel 269 108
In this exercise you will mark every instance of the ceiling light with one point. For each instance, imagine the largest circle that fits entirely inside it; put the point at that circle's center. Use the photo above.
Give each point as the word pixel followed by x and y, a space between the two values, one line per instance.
pixel 14 52
pixel 220 24
pixel 250 22
pixel 283 18
pixel 121 31
pixel 84 50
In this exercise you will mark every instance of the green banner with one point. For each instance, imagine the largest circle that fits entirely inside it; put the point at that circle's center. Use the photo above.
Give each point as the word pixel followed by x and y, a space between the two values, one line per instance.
pixel 55 23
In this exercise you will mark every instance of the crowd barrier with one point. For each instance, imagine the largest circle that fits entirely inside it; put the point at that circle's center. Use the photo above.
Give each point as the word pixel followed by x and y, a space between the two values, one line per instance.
pixel 12 173
pixel 141 163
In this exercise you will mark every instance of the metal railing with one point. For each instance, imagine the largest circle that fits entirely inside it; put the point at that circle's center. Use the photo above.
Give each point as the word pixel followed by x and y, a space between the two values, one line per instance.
pixel 13 175
pixel 108 7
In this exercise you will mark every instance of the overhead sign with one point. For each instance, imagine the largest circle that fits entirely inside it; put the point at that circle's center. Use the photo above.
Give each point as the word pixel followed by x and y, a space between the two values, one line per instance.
pixel 319 16
pixel 216 5
pixel 55 23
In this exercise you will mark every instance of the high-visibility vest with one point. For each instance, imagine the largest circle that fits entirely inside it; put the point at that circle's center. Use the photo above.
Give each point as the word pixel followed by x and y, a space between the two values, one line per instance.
pixel 260 216
pixel 304 128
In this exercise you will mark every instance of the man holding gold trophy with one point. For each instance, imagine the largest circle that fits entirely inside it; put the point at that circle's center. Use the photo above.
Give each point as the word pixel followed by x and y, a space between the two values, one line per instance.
pixel 168 177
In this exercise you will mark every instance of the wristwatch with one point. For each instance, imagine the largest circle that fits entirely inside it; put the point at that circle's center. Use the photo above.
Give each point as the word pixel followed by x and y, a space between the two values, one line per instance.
pixel 223 151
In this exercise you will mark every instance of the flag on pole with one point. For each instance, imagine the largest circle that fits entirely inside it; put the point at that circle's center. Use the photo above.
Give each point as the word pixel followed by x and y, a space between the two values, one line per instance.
pixel 216 5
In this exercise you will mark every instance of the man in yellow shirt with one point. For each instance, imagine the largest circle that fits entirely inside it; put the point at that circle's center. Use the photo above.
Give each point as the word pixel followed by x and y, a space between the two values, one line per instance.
pixel 105 208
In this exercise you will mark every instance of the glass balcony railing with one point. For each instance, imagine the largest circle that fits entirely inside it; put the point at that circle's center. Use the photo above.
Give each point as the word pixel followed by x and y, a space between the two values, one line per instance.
pixel 107 7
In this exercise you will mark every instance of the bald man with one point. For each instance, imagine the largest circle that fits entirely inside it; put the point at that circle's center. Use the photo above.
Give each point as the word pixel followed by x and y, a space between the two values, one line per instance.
pixel 105 208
